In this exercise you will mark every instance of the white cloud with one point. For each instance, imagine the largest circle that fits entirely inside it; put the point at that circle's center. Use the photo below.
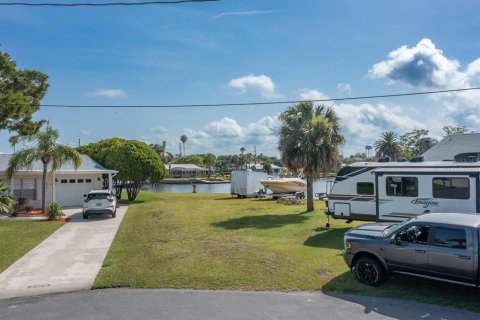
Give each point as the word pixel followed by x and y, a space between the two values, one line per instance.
pixel 364 123
pixel 344 88
pixel 309 94
pixel 261 83
pixel 85 133
pixel 146 139
pixel 159 130
pixel 242 13
pixel 228 136
pixel 107 93
pixel 424 66
pixel 473 68
pixel 225 127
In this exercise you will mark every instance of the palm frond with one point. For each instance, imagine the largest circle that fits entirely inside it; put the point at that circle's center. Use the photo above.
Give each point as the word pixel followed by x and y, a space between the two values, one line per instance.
pixel 24 159
pixel 62 154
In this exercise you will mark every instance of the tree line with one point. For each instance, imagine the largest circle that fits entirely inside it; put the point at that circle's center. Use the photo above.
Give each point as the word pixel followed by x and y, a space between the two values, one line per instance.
pixel 405 146
pixel 220 162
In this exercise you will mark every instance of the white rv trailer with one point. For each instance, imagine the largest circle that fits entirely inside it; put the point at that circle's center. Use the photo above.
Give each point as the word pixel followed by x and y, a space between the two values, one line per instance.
pixel 396 191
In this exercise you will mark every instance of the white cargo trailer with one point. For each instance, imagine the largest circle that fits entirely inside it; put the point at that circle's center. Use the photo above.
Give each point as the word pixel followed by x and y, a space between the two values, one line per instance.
pixel 246 182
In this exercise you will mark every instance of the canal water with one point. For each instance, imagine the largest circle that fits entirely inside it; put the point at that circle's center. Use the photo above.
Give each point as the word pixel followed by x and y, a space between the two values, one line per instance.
pixel 319 186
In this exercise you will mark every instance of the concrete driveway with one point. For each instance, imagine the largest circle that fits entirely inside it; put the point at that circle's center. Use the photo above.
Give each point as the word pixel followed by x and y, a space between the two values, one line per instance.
pixel 68 260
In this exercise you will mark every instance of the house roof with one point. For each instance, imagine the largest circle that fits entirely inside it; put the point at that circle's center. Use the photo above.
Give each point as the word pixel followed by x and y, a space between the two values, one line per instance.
pixel 88 166
pixel 453 145
pixel 259 166
pixel 183 166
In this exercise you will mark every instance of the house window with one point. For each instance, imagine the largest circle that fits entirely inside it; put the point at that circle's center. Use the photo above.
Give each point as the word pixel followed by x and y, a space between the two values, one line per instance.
pixel 402 186
pixel 25 188
pixel 80 181
pixel 63 181
pixel 364 188
pixel 88 180
pixel 71 181
pixel 451 188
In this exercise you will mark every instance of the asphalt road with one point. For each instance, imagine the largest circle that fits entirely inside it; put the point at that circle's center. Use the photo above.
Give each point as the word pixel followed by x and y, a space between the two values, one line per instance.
pixel 139 304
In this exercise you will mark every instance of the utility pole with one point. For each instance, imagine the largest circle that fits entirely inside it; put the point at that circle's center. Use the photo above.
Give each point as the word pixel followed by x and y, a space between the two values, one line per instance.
pixel 255 154
pixel 79 142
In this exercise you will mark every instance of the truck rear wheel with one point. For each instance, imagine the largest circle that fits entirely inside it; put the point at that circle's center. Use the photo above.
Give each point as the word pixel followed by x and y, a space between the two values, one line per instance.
pixel 368 271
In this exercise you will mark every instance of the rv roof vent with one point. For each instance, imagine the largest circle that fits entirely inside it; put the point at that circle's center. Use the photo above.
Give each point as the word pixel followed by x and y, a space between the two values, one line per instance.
pixel 384 159
pixel 467 157
pixel 417 159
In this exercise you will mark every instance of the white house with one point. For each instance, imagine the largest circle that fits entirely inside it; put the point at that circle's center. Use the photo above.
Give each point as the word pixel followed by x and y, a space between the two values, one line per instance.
pixel 276 170
pixel 66 185
pixel 185 170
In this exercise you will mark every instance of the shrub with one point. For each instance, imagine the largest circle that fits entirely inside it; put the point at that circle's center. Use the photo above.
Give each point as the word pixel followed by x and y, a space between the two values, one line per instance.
pixel 6 201
pixel 54 211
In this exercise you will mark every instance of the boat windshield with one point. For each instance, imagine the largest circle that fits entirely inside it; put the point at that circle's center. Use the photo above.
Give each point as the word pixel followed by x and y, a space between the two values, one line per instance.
pixel 393 228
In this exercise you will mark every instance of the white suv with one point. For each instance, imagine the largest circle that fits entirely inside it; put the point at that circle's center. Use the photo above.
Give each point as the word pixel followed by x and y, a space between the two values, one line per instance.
pixel 99 202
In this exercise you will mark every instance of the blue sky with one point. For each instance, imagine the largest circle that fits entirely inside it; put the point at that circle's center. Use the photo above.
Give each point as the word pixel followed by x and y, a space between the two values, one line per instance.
pixel 241 51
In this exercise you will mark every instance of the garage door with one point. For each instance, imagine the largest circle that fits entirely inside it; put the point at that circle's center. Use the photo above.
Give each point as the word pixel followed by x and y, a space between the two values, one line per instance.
pixel 70 191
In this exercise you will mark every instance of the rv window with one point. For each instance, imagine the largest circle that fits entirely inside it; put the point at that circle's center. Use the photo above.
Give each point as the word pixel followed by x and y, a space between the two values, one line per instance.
pixel 451 238
pixel 402 186
pixel 365 188
pixel 348 170
pixel 451 188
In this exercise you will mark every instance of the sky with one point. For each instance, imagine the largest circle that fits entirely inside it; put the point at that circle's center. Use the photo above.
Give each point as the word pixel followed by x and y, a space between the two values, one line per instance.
pixel 235 51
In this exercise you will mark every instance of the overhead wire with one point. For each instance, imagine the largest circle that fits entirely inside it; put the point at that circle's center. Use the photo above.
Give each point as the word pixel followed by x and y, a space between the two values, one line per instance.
pixel 393 95
pixel 99 4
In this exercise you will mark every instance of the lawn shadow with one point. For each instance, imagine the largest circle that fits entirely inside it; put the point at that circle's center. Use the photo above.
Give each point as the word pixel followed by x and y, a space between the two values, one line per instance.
pixel 246 199
pixel 127 202
pixel 78 218
pixel 408 289
pixel 267 221
pixel 327 238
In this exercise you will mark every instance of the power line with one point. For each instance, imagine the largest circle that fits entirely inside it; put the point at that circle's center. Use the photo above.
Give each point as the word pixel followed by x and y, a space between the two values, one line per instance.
pixel 261 103
pixel 101 4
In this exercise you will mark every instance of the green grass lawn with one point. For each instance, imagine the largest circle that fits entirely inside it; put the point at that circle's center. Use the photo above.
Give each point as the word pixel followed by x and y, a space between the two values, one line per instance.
pixel 19 237
pixel 205 241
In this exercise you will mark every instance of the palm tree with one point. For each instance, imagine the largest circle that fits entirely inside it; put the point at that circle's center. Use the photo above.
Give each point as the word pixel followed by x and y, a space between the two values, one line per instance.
pixel 210 160
pixel 46 149
pixel 242 150
pixel 184 139
pixel 6 200
pixel 248 159
pixel 388 145
pixel 309 140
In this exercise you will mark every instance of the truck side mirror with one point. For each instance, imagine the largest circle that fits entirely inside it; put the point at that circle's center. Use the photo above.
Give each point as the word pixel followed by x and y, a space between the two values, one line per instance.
pixel 394 239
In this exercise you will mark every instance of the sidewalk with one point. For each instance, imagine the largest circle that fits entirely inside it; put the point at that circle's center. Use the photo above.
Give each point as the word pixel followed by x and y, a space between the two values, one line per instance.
pixel 68 260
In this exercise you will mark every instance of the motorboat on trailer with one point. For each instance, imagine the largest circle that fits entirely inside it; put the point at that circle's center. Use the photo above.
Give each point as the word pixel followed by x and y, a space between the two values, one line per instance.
pixel 284 185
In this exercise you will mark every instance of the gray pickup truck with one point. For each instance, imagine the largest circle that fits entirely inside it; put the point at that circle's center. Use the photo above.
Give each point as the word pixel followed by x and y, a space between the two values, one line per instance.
pixel 438 246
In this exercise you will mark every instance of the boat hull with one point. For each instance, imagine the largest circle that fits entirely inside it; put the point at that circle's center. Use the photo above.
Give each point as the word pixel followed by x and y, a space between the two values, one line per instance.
pixel 285 185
